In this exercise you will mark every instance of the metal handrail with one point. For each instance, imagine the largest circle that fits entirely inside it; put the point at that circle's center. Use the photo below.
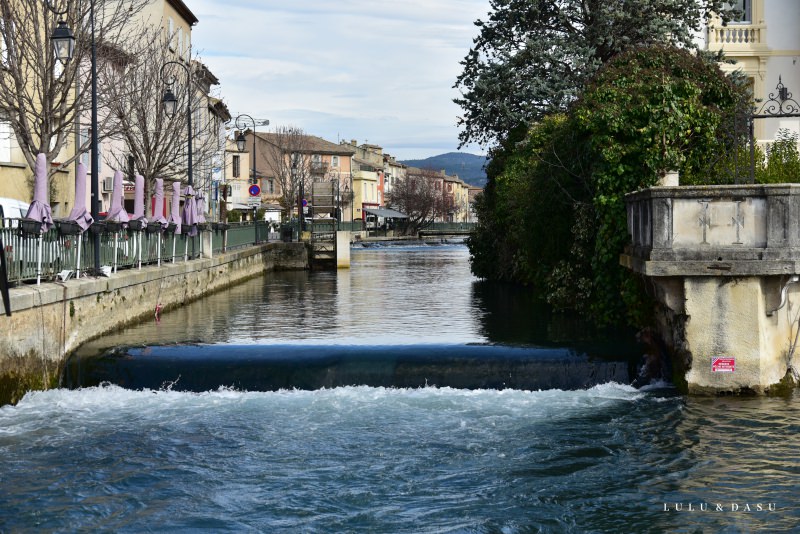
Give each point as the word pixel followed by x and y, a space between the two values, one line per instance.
pixel 118 250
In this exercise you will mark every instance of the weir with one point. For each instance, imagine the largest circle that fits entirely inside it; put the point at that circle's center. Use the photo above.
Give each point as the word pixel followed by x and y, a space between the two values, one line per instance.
pixel 722 263
pixel 201 368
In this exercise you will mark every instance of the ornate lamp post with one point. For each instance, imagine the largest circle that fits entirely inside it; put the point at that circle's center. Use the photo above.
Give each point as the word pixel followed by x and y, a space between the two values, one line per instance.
pixel 170 102
pixel 241 121
pixel 64 48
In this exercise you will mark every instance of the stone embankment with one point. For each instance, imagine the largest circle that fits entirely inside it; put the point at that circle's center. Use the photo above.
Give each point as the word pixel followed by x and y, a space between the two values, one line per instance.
pixel 50 321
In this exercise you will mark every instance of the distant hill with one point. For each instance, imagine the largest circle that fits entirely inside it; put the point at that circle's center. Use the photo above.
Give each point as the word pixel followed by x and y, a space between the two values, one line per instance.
pixel 468 167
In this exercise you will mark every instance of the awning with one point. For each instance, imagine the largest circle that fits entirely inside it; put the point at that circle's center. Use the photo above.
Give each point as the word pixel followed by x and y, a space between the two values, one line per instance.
pixel 237 206
pixel 386 212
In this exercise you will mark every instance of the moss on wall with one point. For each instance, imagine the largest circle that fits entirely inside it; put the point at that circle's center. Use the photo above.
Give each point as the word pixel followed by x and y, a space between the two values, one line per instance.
pixel 27 373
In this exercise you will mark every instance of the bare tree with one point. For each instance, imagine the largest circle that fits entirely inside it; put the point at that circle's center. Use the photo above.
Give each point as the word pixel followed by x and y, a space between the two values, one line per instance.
pixel 42 98
pixel 157 144
pixel 288 158
pixel 416 195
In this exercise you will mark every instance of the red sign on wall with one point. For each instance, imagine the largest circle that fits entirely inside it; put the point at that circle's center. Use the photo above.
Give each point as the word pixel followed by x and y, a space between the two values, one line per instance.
pixel 723 365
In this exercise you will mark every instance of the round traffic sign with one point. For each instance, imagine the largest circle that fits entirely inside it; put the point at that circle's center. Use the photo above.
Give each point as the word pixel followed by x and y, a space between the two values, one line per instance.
pixel 305 203
pixel 254 190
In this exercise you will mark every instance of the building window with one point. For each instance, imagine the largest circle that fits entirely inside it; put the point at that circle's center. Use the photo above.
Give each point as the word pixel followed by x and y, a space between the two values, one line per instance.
pixel 744 10
pixel 84 140
pixel 335 161
pixel 236 167
pixel 271 187
pixel 180 42
pixel 171 34
pixel 3 46
pixel 6 134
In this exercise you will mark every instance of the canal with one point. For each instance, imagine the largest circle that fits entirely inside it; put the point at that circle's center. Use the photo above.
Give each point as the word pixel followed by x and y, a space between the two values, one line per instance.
pixel 386 398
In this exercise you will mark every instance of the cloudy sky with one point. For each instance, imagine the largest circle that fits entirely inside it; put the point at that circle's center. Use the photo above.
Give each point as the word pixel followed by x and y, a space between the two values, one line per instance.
pixel 378 71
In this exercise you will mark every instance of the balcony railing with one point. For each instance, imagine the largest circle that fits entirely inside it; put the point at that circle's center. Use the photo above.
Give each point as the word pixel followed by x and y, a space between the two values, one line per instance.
pixel 735 35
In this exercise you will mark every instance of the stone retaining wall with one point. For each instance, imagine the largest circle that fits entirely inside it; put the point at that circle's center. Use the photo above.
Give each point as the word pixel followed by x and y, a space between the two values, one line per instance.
pixel 50 321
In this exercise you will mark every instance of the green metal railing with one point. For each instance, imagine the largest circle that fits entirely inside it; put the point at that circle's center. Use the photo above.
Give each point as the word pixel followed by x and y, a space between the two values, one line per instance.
pixel 118 250
pixel 354 226
pixel 451 227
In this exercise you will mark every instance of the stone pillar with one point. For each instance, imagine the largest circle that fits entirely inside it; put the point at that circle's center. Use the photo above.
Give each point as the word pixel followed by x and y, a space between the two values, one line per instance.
pixel 735 345
pixel 206 243
pixel 342 249
pixel 724 262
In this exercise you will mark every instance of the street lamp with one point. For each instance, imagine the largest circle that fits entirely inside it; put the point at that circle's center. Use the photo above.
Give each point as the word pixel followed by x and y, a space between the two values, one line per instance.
pixel 64 48
pixel 63 42
pixel 170 102
pixel 242 120
pixel 240 142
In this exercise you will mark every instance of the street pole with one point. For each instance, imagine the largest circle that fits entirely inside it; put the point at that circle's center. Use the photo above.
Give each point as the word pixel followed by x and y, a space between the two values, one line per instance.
pixel 170 105
pixel 241 121
pixel 95 203
pixel 61 36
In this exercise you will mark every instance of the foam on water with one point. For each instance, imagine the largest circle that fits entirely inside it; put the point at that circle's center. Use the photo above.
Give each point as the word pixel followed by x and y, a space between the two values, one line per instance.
pixel 109 403
pixel 374 459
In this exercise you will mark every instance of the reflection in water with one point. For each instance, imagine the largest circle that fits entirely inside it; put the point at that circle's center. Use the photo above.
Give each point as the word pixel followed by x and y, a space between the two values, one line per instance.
pixel 420 296
pixel 390 296
pixel 513 314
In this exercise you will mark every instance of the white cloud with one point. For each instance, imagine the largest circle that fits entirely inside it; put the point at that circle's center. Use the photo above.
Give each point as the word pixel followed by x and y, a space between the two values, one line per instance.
pixel 379 70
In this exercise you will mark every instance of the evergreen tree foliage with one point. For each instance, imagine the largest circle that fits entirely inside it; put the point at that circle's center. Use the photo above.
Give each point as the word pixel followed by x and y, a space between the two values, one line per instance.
pixel 532 57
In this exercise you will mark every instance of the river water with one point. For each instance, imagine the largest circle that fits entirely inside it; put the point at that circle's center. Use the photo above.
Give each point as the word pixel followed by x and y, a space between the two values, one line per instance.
pixel 381 458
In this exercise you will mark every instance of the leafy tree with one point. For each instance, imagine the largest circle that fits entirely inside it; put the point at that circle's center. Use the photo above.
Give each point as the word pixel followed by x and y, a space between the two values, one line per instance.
pixel 555 200
pixel 532 57
pixel 526 212
pixel 782 164
pixel 648 111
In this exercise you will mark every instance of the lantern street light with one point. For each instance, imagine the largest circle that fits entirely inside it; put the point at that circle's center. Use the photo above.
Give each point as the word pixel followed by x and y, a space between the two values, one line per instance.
pixel 170 102
pixel 63 42
pixel 64 48
pixel 241 121
pixel 241 141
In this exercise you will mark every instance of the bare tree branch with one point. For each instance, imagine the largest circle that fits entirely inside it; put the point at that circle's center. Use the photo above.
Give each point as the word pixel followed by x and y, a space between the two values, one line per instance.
pixel 41 99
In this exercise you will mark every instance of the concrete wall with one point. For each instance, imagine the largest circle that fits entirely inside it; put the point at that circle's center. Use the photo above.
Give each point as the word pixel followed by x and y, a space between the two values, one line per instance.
pixel 50 321
pixel 705 318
